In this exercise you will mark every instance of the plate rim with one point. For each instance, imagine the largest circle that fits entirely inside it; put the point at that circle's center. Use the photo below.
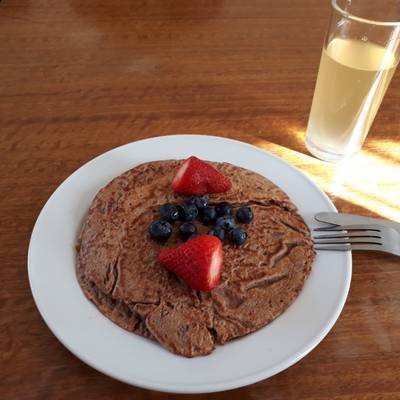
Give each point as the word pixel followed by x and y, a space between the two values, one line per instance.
pixel 225 384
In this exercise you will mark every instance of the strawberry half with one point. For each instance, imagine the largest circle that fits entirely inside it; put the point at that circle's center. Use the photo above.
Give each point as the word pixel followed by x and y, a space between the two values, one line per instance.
pixel 198 262
pixel 197 177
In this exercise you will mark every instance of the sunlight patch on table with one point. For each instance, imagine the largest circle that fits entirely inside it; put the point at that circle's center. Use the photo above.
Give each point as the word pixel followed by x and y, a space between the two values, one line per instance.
pixel 368 179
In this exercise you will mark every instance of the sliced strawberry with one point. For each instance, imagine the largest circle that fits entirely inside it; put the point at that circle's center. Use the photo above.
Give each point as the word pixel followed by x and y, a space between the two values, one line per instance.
pixel 198 262
pixel 197 177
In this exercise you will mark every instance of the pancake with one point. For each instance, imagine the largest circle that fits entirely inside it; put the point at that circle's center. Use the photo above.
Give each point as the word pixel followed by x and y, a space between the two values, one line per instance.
pixel 118 269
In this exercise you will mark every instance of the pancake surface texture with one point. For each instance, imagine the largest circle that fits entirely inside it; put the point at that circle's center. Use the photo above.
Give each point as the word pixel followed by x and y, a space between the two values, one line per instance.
pixel 118 269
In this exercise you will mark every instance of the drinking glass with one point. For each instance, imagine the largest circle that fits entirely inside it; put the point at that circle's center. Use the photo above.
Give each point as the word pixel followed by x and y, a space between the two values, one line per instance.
pixel 360 54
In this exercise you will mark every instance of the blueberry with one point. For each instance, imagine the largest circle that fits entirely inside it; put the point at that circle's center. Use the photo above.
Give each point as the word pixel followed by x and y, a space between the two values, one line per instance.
pixel 238 236
pixel 160 230
pixel 208 215
pixel 244 215
pixel 218 232
pixel 169 212
pixel 200 202
pixel 226 222
pixel 193 236
pixel 187 229
pixel 187 212
pixel 224 208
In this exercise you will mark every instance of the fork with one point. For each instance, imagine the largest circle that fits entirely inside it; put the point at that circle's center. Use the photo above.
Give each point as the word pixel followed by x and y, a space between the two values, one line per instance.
pixel 358 237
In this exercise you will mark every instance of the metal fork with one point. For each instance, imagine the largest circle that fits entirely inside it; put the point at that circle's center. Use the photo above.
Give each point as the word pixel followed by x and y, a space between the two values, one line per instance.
pixel 358 237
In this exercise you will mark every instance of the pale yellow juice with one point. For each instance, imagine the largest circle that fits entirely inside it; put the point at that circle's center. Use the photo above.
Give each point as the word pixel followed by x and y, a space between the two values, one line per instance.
pixel 352 80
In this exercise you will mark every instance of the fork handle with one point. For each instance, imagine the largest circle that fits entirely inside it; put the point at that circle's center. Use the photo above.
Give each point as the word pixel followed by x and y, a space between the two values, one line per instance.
pixel 352 219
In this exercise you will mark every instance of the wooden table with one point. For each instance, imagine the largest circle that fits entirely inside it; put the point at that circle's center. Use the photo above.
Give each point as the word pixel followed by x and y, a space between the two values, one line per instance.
pixel 80 77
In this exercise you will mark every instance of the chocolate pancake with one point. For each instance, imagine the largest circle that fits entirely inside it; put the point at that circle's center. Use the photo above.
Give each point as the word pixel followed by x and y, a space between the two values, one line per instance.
pixel 118 270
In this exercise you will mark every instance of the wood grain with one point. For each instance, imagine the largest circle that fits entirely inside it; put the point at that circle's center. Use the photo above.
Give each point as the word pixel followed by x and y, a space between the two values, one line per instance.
pixel 80 77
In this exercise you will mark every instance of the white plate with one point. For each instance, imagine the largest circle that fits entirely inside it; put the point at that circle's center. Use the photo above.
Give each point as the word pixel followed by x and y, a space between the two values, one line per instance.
pixel 77 323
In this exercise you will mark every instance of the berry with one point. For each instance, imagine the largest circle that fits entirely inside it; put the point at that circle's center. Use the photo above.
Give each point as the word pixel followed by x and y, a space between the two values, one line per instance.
pixel 238 236
pixel 193 236
pixel 217 232
pixel 245 215
pixel 187 212
pixel 208 215
pixel 160 230
pixel 224 208
pixel 187 229
pixel 199 201
pixel 169 212
pixel 198 262
pixel 226 222
pixel 196 177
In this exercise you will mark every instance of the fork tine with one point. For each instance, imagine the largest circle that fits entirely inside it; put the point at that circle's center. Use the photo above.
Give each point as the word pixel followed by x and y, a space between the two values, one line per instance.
pixel 346 247
pixel 372 234
pixel 366 240
pixel 359 237
pixel 348 228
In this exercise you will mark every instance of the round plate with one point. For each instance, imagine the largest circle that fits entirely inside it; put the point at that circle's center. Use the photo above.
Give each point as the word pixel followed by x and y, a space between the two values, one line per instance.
pixel 77 323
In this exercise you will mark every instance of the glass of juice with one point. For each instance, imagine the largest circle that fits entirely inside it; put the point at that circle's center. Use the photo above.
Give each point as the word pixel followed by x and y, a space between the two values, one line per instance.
pixel 359 57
